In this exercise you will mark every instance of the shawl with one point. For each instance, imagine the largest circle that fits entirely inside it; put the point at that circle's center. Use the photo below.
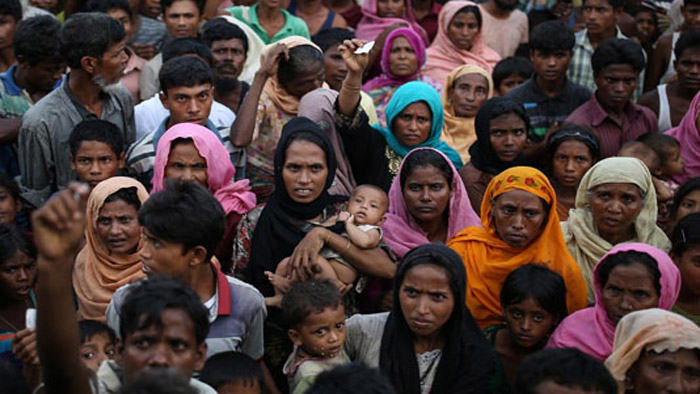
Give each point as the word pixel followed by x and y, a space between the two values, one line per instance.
pixel 97 273
pixel 477 245
pixel 653 330
pixel 387 78
pixel 233 196
pixel 255 48
pixel 688 135
pixel 459 132
pixel 591 330
pixel 371 25
pixel 406 95
pixel 467 360
pixel 581 236
pixel 402 233
pixel 444 56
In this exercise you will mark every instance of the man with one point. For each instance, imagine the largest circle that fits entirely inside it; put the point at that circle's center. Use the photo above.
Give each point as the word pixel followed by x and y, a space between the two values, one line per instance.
pixel 329 40
pixel 610 112
pixel 93 47
pixel 150 33
pixel 503 26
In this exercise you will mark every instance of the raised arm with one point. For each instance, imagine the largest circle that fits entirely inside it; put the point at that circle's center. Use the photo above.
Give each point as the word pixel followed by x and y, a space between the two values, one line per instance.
pixel 349 95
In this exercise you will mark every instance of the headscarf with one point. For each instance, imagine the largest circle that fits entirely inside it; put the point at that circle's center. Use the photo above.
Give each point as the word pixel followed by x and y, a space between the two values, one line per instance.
pixel 688 135
pixel 444 56
pixel 402 233
pixel 255 48
pixel 466 362
pixel 591 330
pixel 371 25
pixel 387 78
pixel 488 259
pixel 407 94
pixel 98 273
pixel 278 230
pixel 581 236
pixel 233 196
pixel 459 132
pixel 653 330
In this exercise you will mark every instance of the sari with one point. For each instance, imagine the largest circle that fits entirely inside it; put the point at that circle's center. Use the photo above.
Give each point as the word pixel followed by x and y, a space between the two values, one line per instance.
pixel 371 25
pixel 688 134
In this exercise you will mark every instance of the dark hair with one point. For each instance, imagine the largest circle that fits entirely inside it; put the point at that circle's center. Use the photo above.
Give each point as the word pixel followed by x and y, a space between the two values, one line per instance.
pixel 167 3
pixel 220 29
pixel 36 40
pixel 186 46
pixel 686 234
pixel 184 213
pixel 89 328
pixel 105 6
pixel 538 282
pixel 127 194
pixel 12 241
pixel 147 299
pixel 326 38
pixel 695 2
pixel 509 66
pixel 503 106
pixel 8 183
pixel 184 71
pixel 566 367
pixel 549 37
pixel 615 4
pixel 96 130
pixel 88 34
pixel 538 16
pixel 618 51
pixel 689 186
pixel 12 8
pixel 470 9
pixel 425 158
pixel 688 39
pixel 158 381
pixel 627 258
pixel 230 367
pixel 350 379
pixel 307 297
pixel 575 132
pixel 660 143
pixel 638 9
pixel 300 58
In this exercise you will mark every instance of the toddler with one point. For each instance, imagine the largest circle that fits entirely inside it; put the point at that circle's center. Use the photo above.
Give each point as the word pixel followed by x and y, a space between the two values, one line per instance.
pixel 232 373
pixel 97 343
pixel 671 162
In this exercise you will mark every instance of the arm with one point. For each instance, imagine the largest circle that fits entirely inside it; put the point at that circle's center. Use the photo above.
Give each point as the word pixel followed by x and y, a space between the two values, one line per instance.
pixel 657 62
pixel 9 130
pixel 35 162
pixel 349 95
pixel 361 239
pixel 210 8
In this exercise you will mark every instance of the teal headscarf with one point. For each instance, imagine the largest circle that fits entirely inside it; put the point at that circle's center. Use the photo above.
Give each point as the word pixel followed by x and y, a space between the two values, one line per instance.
pixel 406 95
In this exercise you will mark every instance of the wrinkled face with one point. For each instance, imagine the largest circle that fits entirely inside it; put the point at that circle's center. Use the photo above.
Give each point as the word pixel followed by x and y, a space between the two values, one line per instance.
pixel 7 30
pixel 616 84
pixel 598 16
pixel 529 324
pixel 412 126
pixel 229 57
pixel 182 19
pixel 571 160
pixel 162 257
pixel 688 68
pixel 629 288
pixel 97 349
pixel 550 66
pixel 185 162
pixel 427 195
pixel 305 171
pixel 668 372
pixel 150 8
pixel 691 15
pixel 44 74
pixel 426 299
pixel 519 217
pixel 509 83
pixel 403 61
pixel 118 228
pixel 368 205
pixel 191 104
pixel 321 334
pixel 614 207
pixel 673 163
pixel 646 28
pixel 310 78
pixel 17 277
pixel 124 19
pixel 111 66
pixel 508 135
pixel 688 204
pixel 390 8
pixel 94 162
pixel 468 93
pixel 463 30
pixel 336 69
pixel 689 265
pixel 8 207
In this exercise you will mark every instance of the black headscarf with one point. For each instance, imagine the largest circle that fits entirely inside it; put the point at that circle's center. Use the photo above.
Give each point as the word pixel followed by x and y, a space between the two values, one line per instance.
pixel 467 359
pixel 280 227
pixel 483 156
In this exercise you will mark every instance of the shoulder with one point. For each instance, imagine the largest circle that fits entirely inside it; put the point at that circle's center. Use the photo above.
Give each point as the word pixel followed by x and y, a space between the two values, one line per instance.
pixel 368 324
pixel 650 99
pixel 664 43
pixel 647 113
pixel 245 294
pixel 580 114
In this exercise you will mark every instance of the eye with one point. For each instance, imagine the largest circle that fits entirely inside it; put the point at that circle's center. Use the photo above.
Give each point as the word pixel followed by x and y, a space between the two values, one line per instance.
pixel 200 166
pixel 538 318
pixel 88 355
pixel 178 345
pixel 516 313
pixel 109 352
pixel 320 331
pixel 436 187
pixel 340 326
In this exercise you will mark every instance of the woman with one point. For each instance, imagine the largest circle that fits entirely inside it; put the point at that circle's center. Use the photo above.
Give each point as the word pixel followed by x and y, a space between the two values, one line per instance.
pixel 520 226
pixel 656 351
pixel 269 21
pixel 403 57
pixel 686 255
pixel 631 277
pixel 458 41
pixel 316 15
pixel 466 89
pixel 572 151
pixel 615 203
pixel 110 258
pixel 377 15
pixel 686 200
pixel 501 133
pixel 688 134
pixel 429 341
pixel 192 152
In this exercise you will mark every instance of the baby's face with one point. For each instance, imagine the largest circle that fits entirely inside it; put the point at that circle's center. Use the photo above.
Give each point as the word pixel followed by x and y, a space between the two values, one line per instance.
pixel 368 206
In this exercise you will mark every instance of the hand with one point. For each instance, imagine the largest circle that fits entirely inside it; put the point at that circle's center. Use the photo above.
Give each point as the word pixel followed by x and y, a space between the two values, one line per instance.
pixel 356 63
pixel 269 66
pixel 24 346
pixel 146 51
pixel 303 258
pixel 344 216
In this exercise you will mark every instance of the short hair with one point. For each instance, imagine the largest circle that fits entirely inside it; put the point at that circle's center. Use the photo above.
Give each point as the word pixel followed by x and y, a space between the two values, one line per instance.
pixel 615 4
pixel 566 367
pixel 12 241
pixel 300 57
pixel 627 258
pixel 186 46
pixel 89 328
pixel 228 367
pixel 425 158
pixel 350 379
pixel 147 299
pixel 510 66
pixel 167 3
pixel 185 213
pixel 326 38
pixel 686 234
pixel 307 297
pixel 618 51
pixel 129 195
pixel 158 381
pixel 184 71
pixel 642 152
pixel 574 132
pixel 105 6
pixel 96 130
pixel 552 36
pixel 88 34
pixel 12 8
pixel 220 29
pixel 660 143
pixel 36 39
pixel 688 39
pixel 538 282
pixel 376 188
pixel 689 186
pixel 8 183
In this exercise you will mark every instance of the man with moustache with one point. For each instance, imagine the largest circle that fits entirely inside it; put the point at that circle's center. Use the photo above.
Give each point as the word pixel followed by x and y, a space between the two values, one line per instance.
pixel 503 26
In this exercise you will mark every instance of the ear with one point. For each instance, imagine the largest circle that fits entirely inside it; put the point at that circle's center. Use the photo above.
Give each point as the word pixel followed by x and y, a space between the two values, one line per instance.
pixel 89 64
pixel 199 256
pixel 382 220
pixel 294 336
pixel 201 356
pixel 531 54
pixel 163 100
pixel 121 160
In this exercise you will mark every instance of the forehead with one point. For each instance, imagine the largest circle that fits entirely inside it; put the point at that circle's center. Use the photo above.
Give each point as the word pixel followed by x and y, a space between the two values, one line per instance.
pixel 417 108
pixel 173 322
pixel 627 188
pixel 227 43
pixel 520 198
pixel 182 7
pixel 188 90
pixel 472 79
pixel 370 193
pixel 597 3
pixel 18 258
pixel 400 41
pixel 427 275
pixel 300 149
pixel 96 148
pixel 117 207
pixel 621 70
pixel 117 13
pixel 509 120
pixel 328 315
pixel 573 146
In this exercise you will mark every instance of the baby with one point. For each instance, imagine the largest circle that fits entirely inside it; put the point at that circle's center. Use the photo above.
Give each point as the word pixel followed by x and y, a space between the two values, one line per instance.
pixel 671 162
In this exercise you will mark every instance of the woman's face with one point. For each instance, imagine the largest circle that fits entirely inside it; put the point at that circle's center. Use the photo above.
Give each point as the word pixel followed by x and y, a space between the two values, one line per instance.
pixel 668 372
pixel 118 228
pixel 463 30
pixel 426 299
pixel 468 94
pixel 689 265
pixel 427 194
pixel 17 277
pixel 629 288
pixel 614 207
pixel 508 135
pixel 412 126
pixel 688 204
pixel 185 162
pixel 8 207
pixel 390 8
pixel 403 61
pixel 519 217
pixel 529 324
pixel 571 160
pixel 305 171
pixel 308 79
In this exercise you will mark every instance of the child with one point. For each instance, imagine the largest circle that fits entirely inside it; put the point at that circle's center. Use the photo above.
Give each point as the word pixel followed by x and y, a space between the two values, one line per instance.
pixel 96 151
pixel 671 162
pixel 315 315
pixel 686 254
pixel 510 73
pixel 232 373
pixel 97 343
pixel 10 204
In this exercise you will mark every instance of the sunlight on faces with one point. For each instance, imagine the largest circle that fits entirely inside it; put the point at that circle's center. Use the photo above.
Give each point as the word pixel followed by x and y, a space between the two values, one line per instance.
pixel 599 16
pixel 185 163
pixel 518 217
pixel 672 163
pixel 97 349
pixel 7 30
pixel 645 25
pixel 124 19
pixel 463 30
pixel 571 160
pixel 629 288
pixel 614 207
pixel 17 277
pixel 691 15
pixel 427 194
pixel 336 69
pixel 550 66
pixel 529 324
pixel 391 8
pixel 305 171
pixel 508 135
pixel 403 61
pixel 368 205
pixel 163 257
pixel 9 207
pixel 109 69
pixel 321 334
pixel 310 78
pixel 150 8
pixel 426 300
pixel 509 83
pixel 467 94
pixel 118 228
pixel 412 126
pixel 668 372
pixel 94 162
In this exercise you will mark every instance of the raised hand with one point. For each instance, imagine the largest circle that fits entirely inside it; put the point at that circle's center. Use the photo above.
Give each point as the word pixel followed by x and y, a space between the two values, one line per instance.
pixel 356 63
pixel 269 66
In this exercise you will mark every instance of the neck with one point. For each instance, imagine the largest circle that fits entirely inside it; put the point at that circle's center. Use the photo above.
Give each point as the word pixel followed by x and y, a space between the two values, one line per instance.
pixel 564 192
pixel 616 113
pixel 595 39
pixel 616 238
pixel 268 13
pixel 7 56
pixel 84 88
pixel 516 348
pixel 551 88
pixel 203 281
pixel 435 230
pixel 423 344
pixel 422 4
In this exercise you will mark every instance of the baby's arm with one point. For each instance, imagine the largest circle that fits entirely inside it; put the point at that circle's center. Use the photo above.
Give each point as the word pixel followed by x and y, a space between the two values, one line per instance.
pixel 361 239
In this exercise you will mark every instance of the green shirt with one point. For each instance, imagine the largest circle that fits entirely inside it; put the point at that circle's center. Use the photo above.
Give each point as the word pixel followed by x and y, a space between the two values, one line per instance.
pixel 293 26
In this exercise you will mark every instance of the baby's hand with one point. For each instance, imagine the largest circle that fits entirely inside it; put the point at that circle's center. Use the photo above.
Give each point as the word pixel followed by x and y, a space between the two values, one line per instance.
pixel 344 216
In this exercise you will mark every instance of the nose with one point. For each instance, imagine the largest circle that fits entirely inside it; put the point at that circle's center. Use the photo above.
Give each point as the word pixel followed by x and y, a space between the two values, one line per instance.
pixel 517 223
pixel 509 140
pixel 569 166
pixel 551 61
pixel 422 307
pixel 470 95
pixel 95 168
pixel 526 325
pixel 181 20
pixel 304 177
pixel 333 337
pixel 626 303
pixel 675 384
pixel 193 107
pixel 425 194
pixel 615 206
pixel 114 229
pixel 22 275
pixel 618 86
pixel 99 357
pixel 158 356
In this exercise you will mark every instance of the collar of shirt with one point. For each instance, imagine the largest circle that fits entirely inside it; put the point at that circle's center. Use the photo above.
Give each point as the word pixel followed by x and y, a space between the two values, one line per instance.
pixel 599 115
pixel 222 293
pixel 255 22
pixel 162 129
pixel 583 40
pixel 536 93
pixel 84 113
pixel 11 87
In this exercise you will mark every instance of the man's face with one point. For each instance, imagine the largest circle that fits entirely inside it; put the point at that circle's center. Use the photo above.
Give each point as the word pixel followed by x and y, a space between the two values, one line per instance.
pixel 615 83
pixel 159 256
pixel 111 66
pixel 691 15
pixel 150 8
pixel 336 69
pixel 550 66
pixel 188 104
pixel 182 19
pixel 229 58
pixel 95 161
pixel 43 75
pixel 688 68
pixel 124 19
pixel 599 16
pixel 8 24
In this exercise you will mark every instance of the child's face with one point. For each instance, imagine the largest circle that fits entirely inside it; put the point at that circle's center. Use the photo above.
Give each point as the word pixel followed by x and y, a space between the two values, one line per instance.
pixel 95 161
pixel 368 206
pixel 528 322
pixel 17 277
pixel 97 349
pixel 673 163
pixel 163 257
pixel 321 334
pixel 689 265
pixel 8 207
pixel 240 387
pixel 509 83
pixel 8 24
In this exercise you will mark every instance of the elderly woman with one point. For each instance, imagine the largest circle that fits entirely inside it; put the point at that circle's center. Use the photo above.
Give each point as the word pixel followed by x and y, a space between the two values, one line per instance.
pixel 631 277
pixel 429 342
pixel 520 226
pixel 377 15
pixel 615 203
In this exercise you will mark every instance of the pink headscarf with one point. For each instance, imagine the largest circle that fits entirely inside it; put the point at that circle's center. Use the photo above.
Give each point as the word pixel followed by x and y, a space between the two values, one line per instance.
pixel 402 233
pixel 591 330
pixel 444 56
pixel 688 135
pixel 371 25
pixel 233 196
pixel 387 78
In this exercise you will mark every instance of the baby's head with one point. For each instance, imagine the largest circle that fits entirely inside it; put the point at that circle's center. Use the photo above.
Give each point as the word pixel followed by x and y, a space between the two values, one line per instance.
pixel 315 315
pixel 97 343
pixel 368 205
pixel 232 373
pixel 669 151
pixel 644 153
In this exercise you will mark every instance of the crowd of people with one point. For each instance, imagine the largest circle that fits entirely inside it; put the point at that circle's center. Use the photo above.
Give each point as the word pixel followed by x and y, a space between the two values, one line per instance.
pixel 333 196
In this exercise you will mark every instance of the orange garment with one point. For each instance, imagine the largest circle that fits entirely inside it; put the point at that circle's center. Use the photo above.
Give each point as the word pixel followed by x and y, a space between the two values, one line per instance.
pixel 488 260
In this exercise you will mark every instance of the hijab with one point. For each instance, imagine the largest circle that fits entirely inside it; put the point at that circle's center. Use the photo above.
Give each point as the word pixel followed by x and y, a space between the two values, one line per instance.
pixel 581 236
pixel 233 196
pixel 98 273
pixel 372 25
pixel 688 135
pixel 466 362
pixel 591 330
pixel 444 56
pixel 387 79
pixel 459 132
pixel 402 233
pixel 477 245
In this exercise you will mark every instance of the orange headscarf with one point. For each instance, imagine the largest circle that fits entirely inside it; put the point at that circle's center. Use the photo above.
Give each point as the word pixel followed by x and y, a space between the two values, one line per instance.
pixel 488 259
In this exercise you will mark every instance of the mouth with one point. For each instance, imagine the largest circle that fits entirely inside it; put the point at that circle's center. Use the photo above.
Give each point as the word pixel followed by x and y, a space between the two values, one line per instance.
pixel 332 352
pixel 116 243
pixel 569 180
pixel 425 210
pixel 515 238
pixel 195 120
pixel 421 325
pixel 303 193
pixel 23 291
pixel 145 268
pixel 611 222
pixel 525 338
pixel 508 154
pixel 551 73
